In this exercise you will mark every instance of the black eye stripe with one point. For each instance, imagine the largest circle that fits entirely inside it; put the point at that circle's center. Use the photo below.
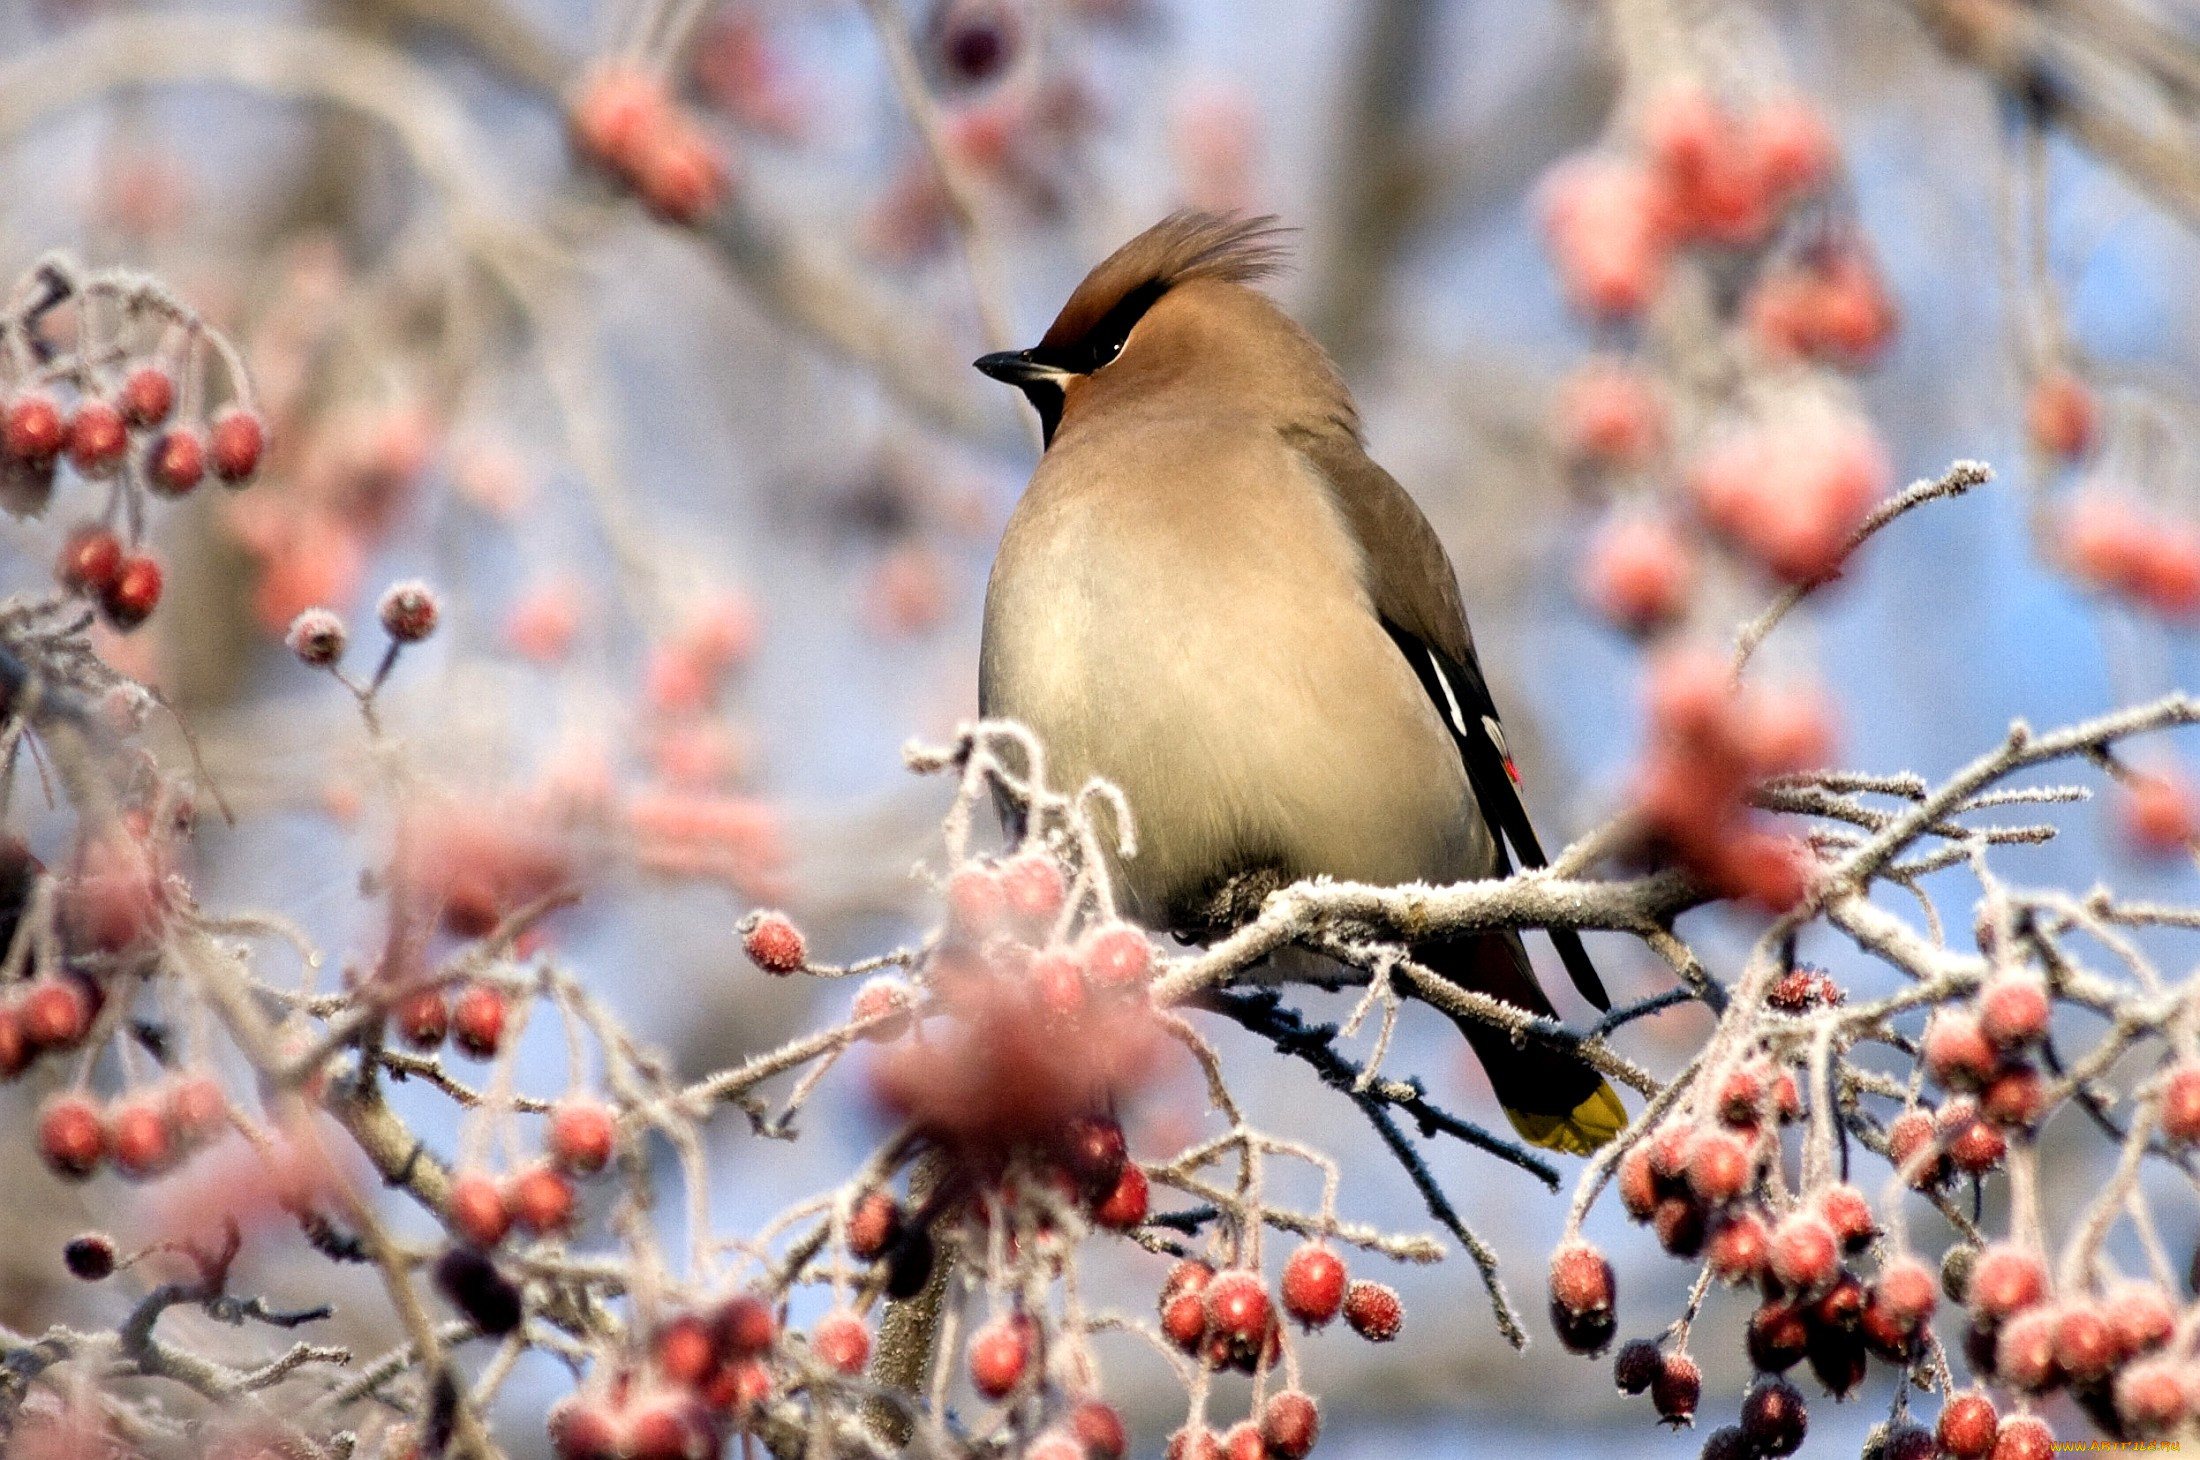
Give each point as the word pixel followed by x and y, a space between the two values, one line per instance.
pixel 1104 341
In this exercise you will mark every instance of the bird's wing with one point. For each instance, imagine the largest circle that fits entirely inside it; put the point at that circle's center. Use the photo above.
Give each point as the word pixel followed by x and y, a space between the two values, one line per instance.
pixel 1416 593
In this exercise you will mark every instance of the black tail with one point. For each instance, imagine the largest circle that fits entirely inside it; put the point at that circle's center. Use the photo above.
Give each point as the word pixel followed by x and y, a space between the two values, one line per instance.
pixel 1553 1099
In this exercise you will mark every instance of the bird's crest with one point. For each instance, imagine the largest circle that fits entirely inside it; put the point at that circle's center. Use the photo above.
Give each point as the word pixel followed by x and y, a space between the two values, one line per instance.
pixel 1186 245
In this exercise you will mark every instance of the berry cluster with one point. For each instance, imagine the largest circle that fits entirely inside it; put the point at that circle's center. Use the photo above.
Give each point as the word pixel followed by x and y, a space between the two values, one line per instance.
pixel 697 1378
pixel 144 1133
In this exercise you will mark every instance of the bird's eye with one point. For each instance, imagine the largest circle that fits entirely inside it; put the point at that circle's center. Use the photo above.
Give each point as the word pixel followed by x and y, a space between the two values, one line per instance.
pixel 1108 351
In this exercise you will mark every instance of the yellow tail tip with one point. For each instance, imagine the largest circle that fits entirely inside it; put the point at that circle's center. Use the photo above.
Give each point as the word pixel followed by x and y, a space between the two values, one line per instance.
pixel 1592 1123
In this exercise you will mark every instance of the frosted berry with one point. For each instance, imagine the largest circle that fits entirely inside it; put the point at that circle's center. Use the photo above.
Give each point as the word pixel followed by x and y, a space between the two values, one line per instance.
pixel 422 1019
pixel 177 462
pixel 97 437
pixel 56 1013
pixel 2085 1345
pixel 2181 1103
pixel 1092 1149
pixel 1957 1053
pixel 1238 1308
pixel 976 903
pixel 134 594
pixel 2017 1098
pixel 71 1136
pixel 236 439
pixel 684 1351
pixel 148 394
pixel 745 1326
pixel 138 1136
pixel 842 1342
pixel 1718 1167
pixel 1243 1442
pixel 1033 890
pixel 1289 1425
pixel 582 1134
pixel 1778 1337
pixel 90 560
pixel 2157 814
pixel 1774 1417
pixel 2141 1317
pixel 477 1209
pixel 1676 1389
pixel 1582 1297
pixel 1914 1148
pixel 873 1225
pixel 1099 1429
pixel 1639 573
pixel 32 430
pixel 1905 1290
pixel 878 998
pixel 774 944
pixel 1126 1206
pixel 1000 1352
pixel 542 1201
pixel 1805 1255
pixel 317 637
pixel 1117 955
pixel 1313 1285
pixel 477 1021
pixel 1058 983
pixel 2024 1437
pixel 2151 1397
pixel 2061 417
pixel 196 1109
pixel 1850 1216
pixel 1739 1248
pixel 1640 1361
pixel 2024 1351
pixel 1375 1313
pixel 2005 1281
pixel 408 611
pixel 2013 1011
pixel 1966 1427
pixel 1193 1442
pixel 583 1429
pixel 90 1257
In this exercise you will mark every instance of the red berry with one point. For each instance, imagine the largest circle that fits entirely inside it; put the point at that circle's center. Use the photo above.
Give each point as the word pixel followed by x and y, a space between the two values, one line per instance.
pixel 1184 1320
pixel 2005 1281
pixel 977 904
pixel 1313 1285
pixel 668 1426
pixel 583 1429
pixel 2181 1103
pixel 1058 982
pixel 2024 1351
pixel 1243 1442
pixel 1966 1427
pixel 2085 1345
pixel 1739 1248
pixel 1093 1151
pixel 1374 1311
pixel 1100 1429
pixel 477 1021
pixel 1638 1184
pixel 1718 1167
pixel 97 437
pixel 1679 1223
pixel 2141 1317
pixel 2024 1437
pixel 1054 1445
pixel 1638 573
pixel 1774 1418
pixel 32 431
pixel 774 944
pixel 2157 814
pixel 1289 1425
pixel 1117 955
pixel 422 1018
pixel 476 1208
pixel 1850 1216
pixel 684 1351
pixel 90 560
pixel 408 611
pixel 148 395
pixel 177 462
pixel 1033 890
pixel 1906 1292
pixel 197 1109
pixel 878 999
pixel 873 1225
pixel 2013 1010
pixel 1193 1443
pixel 1125 1207
pixel 133 595
pixel 1973 1144
pixel 745 1326
pixel 1000 1351
pixel 1238 1308
pixel 138 1136
pixel 238 436
pixel 1778 1337
pixel 1676 1389
pixel 56 1013
pixel 542 1201
pixel 2016 1098
pixel 582 1133
pixel 71 1136
pixel 1913 1147
pixel 1609 414
pixel 1805 1256
pixel 1741 1098
pixel 842 1342
pixel 2061 417
pixel 2152 1397
pixel 1956 1050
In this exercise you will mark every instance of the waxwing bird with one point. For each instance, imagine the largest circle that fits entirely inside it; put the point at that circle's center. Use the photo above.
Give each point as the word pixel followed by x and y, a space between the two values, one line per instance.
pixel 1210 596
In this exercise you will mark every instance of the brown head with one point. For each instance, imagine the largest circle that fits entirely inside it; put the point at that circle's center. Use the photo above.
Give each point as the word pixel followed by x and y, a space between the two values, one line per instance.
pixel 1173 304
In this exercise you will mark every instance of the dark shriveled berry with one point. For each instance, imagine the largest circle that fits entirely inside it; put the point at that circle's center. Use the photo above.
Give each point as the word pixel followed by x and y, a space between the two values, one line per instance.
pixel 1639 1362
pixel 474 1286
pixel 1774 1417
pixel 90 1257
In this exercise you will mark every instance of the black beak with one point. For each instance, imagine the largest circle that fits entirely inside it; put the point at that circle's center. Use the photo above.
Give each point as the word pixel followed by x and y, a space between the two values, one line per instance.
pixel 1018 368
